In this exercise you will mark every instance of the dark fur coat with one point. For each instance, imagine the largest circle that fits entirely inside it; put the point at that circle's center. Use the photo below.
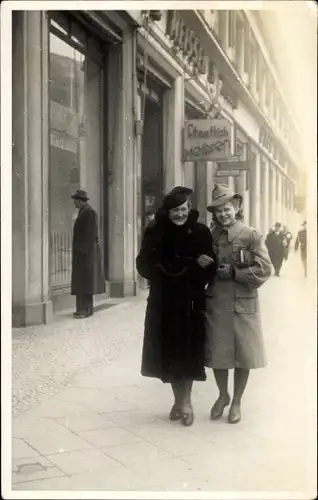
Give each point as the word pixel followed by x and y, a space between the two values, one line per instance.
pixel 174 334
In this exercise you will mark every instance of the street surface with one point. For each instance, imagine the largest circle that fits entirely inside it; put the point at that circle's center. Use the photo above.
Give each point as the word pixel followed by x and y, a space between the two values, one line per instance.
pixel 85 419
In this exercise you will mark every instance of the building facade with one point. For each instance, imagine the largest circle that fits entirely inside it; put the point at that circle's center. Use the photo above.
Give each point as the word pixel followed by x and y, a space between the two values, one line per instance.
pixel 100 99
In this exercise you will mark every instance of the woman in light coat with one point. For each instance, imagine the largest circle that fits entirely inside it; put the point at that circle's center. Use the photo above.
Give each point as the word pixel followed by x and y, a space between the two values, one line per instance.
pixel 233 328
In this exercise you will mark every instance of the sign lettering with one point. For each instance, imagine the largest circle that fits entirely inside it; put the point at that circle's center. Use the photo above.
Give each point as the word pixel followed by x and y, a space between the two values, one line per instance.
pixel 185 40
pixel 207 140
pixel 63 142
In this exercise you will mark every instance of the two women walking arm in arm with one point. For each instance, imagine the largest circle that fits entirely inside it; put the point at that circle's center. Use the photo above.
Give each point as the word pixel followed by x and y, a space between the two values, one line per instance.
pixel 202 308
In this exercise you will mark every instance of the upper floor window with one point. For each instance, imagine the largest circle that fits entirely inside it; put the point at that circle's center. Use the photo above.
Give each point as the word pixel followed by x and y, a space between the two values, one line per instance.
pixel 239 42
pixel 247 47
pixel 222 27
pixel 253 63
pixel 231 28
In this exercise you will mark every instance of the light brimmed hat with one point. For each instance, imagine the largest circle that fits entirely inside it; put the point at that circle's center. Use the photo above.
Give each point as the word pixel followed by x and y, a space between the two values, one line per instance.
pixel 80 194
pixel 222 194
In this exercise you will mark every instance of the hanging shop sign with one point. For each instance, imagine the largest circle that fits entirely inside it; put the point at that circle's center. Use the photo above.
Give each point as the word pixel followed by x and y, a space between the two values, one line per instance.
pixel 65 142
pixel 207 140
pixel 186 40
pixel 234 165
pixel 227 173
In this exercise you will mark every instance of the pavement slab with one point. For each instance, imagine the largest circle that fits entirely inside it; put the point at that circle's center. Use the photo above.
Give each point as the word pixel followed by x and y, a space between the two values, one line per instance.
pixel 93 423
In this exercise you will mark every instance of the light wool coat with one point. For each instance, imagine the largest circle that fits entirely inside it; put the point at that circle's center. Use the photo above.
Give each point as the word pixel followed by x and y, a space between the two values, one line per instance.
pixel 234 336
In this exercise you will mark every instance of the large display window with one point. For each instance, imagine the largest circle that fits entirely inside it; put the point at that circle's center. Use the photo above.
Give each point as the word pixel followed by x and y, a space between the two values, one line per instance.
pixel 76 112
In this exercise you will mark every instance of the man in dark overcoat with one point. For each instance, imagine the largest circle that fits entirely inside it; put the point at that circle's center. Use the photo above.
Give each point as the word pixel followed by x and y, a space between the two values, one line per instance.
pixel 276 245
pixel 301 242
pixel 87 270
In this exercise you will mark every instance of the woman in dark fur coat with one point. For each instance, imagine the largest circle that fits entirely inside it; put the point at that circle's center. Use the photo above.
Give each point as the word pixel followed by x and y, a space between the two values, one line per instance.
pixel 176 257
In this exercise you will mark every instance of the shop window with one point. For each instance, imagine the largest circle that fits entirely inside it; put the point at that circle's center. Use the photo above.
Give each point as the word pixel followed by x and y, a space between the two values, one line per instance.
pixel 75 145
pixel 152 160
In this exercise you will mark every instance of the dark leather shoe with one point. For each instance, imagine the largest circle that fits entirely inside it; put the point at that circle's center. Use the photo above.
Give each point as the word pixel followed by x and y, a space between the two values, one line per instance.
pixel 218 407
pixel 234 413
pixel 175 413
pixel 187 418
pixel 79 315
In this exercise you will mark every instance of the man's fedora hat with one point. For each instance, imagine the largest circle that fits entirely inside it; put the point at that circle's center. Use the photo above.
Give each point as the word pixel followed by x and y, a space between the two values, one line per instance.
pixel 80 194
pixel 222 194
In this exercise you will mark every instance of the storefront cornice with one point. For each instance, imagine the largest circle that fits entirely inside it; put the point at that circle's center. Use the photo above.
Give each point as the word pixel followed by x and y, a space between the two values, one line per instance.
pixel 214 50
pixel 159 51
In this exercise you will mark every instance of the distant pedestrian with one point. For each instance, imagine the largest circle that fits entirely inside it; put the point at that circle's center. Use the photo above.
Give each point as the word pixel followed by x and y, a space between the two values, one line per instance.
pixel 288 237
pixel 301 242
pixel 234 338
pixel 87 270
pixel 176 258
pixel 276 245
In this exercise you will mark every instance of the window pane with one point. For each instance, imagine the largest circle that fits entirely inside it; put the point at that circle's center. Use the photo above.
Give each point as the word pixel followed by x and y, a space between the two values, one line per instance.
pixel 74 146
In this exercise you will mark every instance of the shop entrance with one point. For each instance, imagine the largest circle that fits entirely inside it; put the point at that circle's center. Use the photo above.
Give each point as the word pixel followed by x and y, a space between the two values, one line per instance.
pixel 77 105
pixel 152 156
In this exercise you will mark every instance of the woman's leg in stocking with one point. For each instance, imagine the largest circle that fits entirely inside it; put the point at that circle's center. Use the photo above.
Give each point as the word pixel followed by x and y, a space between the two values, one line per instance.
pixel 221 378
pixel 187 410
pixel 240 381
pixel 177 390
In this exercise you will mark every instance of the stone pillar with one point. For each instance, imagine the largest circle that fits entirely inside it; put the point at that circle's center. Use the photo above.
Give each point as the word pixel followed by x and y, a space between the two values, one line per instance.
pixel 30 176
pixel 265 207
pixel 272 218
pixel 255 189
pixel 279 198
pixel 122 190
pixel 239 182
pixel 201 190
pixel 209 188
pixel 173 110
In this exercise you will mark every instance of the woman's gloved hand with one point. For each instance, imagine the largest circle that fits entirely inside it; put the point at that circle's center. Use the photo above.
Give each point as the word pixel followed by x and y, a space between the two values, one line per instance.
pixel 204 260
pixel 225 272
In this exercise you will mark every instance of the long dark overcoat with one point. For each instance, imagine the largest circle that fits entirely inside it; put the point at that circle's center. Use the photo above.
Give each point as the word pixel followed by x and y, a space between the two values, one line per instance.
pixel 275 244
pixel 234 337
pixel 87 270
pixel 174 335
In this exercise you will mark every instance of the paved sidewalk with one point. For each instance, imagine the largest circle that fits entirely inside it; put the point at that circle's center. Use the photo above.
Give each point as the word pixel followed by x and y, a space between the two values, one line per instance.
pixel 106 428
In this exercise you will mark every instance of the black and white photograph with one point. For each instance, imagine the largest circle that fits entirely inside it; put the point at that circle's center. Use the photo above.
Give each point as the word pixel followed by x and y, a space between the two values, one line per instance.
pixel 158 285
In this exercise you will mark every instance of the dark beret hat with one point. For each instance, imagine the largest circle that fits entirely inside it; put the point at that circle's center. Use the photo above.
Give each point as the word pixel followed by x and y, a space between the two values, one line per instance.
pixel 181 190
pixel 174 200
